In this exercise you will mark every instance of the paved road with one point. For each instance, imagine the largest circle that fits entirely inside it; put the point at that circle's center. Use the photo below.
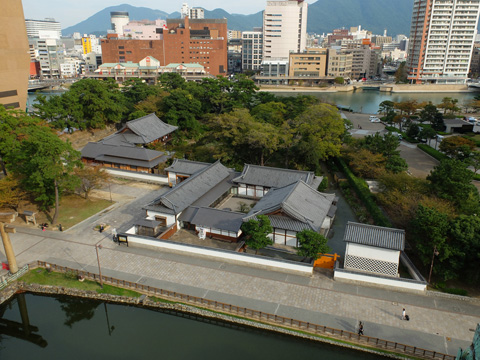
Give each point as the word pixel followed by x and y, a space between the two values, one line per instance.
pixel 436 323
pixel 419 163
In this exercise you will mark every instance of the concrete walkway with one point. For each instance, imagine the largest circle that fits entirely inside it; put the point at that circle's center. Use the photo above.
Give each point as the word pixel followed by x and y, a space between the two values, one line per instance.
pixel 437 323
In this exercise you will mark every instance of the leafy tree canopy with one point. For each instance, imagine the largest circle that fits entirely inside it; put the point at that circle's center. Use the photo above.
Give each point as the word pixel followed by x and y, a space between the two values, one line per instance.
pixel 257 231
pixel 311 244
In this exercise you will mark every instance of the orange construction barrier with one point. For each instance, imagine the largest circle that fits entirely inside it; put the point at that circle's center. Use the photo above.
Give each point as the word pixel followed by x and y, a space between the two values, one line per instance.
pixel 326 261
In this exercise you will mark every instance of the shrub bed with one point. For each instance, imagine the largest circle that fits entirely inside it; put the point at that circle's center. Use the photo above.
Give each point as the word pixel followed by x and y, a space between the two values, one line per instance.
pixel 432 152
pixel 364 194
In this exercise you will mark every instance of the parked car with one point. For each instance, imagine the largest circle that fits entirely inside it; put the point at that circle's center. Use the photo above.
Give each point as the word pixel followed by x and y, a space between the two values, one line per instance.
pixel 400 137
pixel 374 119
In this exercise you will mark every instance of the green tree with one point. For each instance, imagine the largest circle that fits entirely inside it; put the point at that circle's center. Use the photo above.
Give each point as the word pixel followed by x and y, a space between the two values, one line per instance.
pixel 429 230
pixel 323 184
pixel 386 107
pixel 474 161
pixel 137 90
pixel 311 244
pixel 452 180
pixel 10 193
pixel 396 164
pixel 339 80
pixel 465 240
pixel 272 112
pixel 427 133
pixel 182 109
pixel 318 134
pixel 428 113
pixel 457 147
pixel 401 74
pixel 45 165
pixel 256 232
pixel 449 104
pixel 413 131
pixel 171 81
pixel 91 178
pixel 386 145
pixel 242 139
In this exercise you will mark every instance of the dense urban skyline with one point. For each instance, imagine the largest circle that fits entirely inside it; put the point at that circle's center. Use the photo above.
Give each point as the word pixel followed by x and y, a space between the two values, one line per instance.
pixel 70 12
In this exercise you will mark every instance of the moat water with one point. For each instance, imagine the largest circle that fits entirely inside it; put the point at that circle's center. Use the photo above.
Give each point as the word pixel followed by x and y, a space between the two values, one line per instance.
pixel 71 328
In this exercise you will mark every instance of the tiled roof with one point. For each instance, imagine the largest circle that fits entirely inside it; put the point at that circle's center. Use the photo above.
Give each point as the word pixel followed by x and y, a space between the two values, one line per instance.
pixel 377 236
pixel 283 222
pixel 182 196
pixel 147 129
pixel 215 218
pixel 272 177
pixel 127 155
pixel 187 167
pixel 299 201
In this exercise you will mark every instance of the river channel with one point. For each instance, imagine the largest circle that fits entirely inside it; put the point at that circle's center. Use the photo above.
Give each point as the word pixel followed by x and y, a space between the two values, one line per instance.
pixel 71 328
pixel 367 101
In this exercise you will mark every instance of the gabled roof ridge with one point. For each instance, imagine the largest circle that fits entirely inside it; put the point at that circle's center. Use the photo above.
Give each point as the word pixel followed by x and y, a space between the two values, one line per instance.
pixel 276 168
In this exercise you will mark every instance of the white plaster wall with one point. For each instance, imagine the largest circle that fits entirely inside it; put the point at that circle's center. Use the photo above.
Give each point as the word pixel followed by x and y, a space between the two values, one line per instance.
pixel 170 218
pixel 340 275
pixel 371 252
pixel 303 269
pixel 138 176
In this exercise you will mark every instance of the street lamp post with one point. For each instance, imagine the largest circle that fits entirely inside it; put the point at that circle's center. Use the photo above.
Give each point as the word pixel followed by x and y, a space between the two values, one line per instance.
pixel 435 253
pixel 99 268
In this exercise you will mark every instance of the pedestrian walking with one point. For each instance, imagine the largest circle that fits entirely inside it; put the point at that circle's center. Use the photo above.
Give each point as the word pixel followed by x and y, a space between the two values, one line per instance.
pixel 360 329
pixel 114 234
pixel 102 228
pixel 404 314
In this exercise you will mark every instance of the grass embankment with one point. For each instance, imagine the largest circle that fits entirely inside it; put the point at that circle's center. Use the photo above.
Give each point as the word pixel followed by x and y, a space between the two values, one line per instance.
pixel 69 280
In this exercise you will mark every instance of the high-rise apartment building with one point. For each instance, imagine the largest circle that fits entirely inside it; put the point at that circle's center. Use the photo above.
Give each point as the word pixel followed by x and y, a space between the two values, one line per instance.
pixel 45 29
pixel 441 40
pixel 284 28
pixel 252 43
pixel 14 56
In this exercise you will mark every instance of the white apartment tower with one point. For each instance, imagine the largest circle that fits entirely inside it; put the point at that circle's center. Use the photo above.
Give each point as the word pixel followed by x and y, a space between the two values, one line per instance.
pixel 284 28
pixel 118 20
pixel 252 43
pixel 441 40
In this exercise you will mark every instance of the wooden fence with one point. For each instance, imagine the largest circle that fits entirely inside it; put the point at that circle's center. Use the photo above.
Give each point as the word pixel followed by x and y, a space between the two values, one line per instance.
pixel 258 315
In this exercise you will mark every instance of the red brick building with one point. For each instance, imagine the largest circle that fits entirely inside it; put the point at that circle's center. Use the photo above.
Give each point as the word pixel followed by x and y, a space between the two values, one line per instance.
pixel 202 41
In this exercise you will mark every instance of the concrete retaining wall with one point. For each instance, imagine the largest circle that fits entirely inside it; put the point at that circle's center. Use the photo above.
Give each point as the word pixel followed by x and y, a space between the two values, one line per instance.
pixel 151 178
pixel 427 88
pixel 279 265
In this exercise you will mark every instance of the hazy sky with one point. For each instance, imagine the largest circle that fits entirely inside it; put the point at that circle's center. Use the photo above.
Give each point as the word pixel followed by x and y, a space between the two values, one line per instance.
pixel 71 12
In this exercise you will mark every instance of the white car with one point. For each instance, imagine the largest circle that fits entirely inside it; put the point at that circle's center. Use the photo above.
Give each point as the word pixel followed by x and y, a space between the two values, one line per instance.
pixel 374 119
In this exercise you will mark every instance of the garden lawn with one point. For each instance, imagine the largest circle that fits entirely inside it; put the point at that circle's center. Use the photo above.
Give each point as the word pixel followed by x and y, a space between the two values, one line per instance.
pixel 74 209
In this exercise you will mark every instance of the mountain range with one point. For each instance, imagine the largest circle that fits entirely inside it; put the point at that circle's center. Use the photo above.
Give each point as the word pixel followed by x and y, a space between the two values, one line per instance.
pixel 323 17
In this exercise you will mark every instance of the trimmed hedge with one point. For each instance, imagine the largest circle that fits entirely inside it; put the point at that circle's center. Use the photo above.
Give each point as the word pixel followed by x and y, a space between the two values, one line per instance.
pixel 432 152
pixel 477 142
pixel 364 194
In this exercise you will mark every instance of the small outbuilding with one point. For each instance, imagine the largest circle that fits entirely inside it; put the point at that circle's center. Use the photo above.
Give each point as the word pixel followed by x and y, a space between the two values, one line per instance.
pixel 373 249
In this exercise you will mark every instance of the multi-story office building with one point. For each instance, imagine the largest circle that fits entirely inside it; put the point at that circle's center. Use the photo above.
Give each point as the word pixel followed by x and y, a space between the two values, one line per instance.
pixel 192 13
pixel 339 63
pixel 51 54
pixel 252 44
pixel 284 28
pixel 234 34
pixel 365 60
pixel 14 56
pixel 442 34
pixel 201 41
pixel 48 28
pixel 118 20
pixel 311 63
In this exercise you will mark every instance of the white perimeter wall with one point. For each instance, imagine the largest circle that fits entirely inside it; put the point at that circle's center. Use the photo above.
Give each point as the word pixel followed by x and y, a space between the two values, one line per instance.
pixel 395 282
pixel 371 252
pixel 151 178
pixel 302 269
